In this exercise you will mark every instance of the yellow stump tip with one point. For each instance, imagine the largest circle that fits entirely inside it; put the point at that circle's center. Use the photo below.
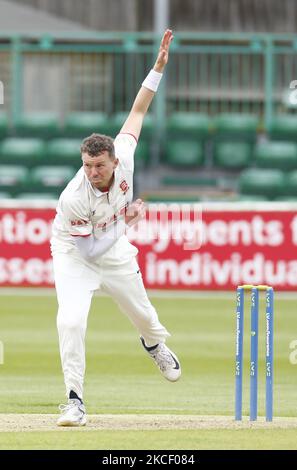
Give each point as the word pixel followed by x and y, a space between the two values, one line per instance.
pixel 251 286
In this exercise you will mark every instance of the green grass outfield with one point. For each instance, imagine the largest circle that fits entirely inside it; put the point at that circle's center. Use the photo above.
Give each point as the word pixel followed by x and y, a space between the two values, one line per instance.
pixel 122 380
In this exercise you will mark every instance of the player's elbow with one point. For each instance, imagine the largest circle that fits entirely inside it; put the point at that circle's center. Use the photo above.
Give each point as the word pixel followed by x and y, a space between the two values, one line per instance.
pixel 139 111
pixel 84 246
pixel 91 255
pixel 87 257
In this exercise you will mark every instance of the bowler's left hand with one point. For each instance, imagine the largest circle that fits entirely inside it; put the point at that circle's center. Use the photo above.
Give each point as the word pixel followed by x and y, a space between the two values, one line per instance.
pixel 162 58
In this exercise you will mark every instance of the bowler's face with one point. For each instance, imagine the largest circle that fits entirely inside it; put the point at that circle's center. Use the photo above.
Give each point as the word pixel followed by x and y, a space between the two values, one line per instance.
pixel 99 170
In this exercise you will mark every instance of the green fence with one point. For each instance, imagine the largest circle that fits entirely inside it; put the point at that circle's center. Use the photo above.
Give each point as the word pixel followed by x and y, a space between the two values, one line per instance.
pixel 208 73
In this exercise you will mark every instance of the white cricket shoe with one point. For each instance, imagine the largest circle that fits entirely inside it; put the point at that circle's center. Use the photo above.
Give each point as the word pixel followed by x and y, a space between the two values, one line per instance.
pixel 72 414
pixel 165 359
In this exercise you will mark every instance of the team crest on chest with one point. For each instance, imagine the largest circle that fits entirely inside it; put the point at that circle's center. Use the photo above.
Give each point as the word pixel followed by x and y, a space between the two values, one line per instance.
pixel 124 186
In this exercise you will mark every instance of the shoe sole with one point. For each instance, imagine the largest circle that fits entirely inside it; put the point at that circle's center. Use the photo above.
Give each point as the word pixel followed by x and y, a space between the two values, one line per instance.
pixel 172 380
pixel 83 422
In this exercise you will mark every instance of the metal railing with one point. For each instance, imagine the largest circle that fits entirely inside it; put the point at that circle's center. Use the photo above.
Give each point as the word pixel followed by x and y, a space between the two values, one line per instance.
pixel 209 73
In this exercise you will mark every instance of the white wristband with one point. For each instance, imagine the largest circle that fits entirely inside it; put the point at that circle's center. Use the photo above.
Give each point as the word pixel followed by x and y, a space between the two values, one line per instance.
pixel 152 80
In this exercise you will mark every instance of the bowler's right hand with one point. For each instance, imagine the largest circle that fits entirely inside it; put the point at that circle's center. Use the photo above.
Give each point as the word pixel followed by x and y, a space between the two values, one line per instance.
pixel 135 212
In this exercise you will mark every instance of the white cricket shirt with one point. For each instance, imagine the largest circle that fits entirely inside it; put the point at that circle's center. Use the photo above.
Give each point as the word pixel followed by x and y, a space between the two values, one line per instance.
pixel 83 210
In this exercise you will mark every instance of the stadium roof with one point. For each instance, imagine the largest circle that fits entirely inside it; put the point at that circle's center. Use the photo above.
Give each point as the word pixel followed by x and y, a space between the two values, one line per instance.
pixel 20 19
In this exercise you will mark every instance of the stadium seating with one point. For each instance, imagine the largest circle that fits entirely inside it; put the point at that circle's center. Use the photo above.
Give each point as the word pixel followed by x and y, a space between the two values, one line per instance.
pixel 4 195
pixel 64 151
pixel 234 137
pixel 184 153
pixel 291 184
pixel 147 127
pixel 39 124
pixel 13 178
pixel 251 198
pixel 279 155
pixel 3 125
pixel 144 143
pixel 24 151
pixel 50 178
pixel 188 125
pixel 170 197
pixel 232 126
pixel 54 157
pixel 286 198
pixel 262 182
pixel 83 124
pixel 36 196
pixel 142 153
pixel 118 119
pixel 116 122
pixel 186 135
pixel 284 127
pixel 186 181
pixel 232 155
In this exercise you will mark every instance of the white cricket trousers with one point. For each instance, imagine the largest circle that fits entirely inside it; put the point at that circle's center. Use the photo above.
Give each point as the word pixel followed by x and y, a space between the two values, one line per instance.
pixel 76 282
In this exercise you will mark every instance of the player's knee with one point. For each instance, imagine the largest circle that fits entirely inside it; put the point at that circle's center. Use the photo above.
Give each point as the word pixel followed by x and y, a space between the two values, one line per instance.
pixel 148 316
pixel 70 322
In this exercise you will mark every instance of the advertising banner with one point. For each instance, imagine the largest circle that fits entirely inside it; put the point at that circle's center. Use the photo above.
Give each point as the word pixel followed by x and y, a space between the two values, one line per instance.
pixel 209 247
